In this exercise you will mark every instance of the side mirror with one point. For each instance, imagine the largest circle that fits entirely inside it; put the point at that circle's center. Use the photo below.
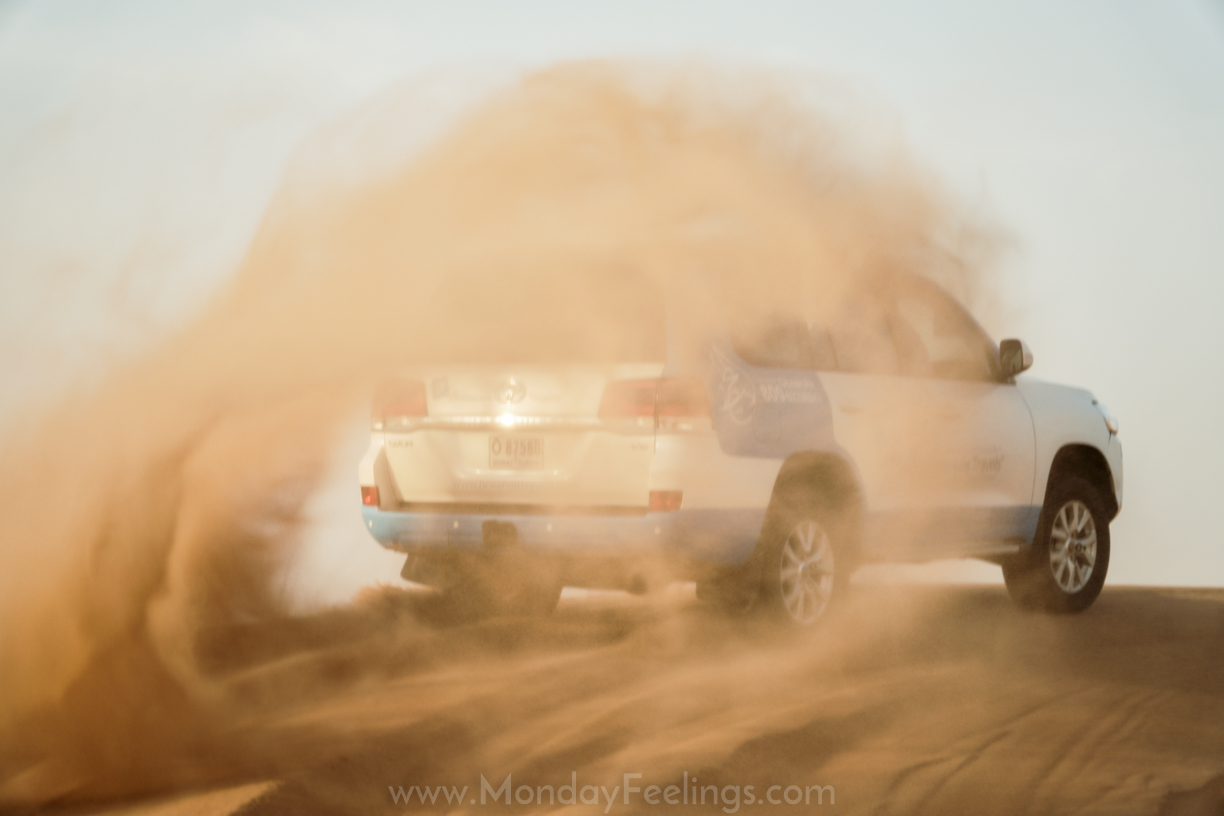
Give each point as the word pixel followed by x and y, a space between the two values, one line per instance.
pixel 1014 357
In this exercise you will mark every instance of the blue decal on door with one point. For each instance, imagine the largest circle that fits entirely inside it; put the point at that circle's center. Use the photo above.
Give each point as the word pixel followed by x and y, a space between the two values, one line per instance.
pixel 766 412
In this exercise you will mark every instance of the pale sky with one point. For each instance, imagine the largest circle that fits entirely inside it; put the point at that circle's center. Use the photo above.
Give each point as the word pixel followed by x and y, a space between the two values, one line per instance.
pixel 141 141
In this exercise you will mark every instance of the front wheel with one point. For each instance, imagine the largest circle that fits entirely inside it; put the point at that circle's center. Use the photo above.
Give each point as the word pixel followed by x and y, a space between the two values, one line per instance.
pixel 1065 568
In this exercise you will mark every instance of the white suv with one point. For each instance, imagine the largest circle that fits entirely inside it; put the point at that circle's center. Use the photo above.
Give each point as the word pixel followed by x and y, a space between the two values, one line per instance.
pixel 765 461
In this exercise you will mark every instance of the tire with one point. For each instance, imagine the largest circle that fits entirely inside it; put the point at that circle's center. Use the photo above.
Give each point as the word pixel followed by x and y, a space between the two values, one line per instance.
pixel 1064 571
pixel 804 567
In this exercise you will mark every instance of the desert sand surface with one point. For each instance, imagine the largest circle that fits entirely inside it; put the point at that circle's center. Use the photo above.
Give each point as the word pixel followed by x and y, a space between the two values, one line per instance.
pixel 912 699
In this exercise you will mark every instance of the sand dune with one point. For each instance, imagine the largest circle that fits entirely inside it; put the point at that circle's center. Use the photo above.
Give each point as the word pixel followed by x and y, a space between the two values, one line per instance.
pixel 936 700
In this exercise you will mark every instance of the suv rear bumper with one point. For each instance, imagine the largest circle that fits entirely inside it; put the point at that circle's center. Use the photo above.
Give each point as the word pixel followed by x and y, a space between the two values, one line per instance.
pixel 718 536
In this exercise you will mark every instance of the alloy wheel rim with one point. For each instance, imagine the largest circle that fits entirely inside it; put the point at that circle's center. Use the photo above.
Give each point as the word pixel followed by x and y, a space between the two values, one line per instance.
pixel 806 571
pixel 1073 546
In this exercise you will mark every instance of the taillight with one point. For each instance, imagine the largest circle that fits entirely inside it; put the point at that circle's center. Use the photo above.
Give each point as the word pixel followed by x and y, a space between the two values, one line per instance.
pixel 397 403
pixel 628 398
pixel 369 496
pixel 665 501
pixel 667 403
pixel 680 401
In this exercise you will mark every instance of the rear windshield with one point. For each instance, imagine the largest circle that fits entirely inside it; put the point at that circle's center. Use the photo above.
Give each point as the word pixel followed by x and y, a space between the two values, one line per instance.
pixel 605 315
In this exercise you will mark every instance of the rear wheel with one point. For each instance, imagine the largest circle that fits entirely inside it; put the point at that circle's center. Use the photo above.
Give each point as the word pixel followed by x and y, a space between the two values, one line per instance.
pixel 1065 568
pixel 804 568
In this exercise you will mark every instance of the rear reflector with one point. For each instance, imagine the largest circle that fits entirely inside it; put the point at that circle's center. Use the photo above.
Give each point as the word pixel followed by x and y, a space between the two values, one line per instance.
pixel 397 403
pixel 665 501
pixel 369 496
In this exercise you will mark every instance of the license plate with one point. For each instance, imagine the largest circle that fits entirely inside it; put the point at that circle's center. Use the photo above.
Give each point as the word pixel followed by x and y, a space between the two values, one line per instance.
pixel 516 452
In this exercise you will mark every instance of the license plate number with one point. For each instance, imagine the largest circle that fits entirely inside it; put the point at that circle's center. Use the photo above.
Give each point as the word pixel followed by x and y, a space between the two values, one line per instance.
pixel 516 452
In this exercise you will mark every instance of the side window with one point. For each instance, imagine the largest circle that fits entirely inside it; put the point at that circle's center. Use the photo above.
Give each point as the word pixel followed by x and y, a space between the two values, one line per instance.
pixel 778 341
pixel 861 340
pixel 937 338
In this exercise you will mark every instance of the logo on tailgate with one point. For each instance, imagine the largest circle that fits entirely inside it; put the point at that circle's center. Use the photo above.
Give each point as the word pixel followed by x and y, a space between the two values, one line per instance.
pixel 511 391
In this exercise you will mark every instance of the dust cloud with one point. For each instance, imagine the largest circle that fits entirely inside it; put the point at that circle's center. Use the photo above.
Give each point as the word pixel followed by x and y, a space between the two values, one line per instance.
pixel 144 638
